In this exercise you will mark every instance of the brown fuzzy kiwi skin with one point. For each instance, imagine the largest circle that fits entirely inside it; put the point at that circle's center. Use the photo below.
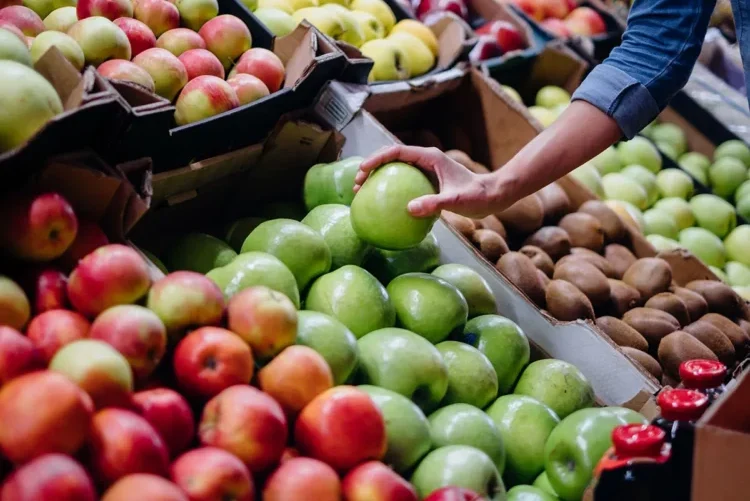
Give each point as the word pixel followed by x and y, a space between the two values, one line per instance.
pixel 668 381
pixel 680 347
pixel 696 305
pixel 652 324
pixel 650 276
pixel 614 228
pixel 622 298
pixel 645 360
pixel 524 216
pixel 738 337
pixel 566 303
pixel 521 271
pixel 584 230
pixel 721 298
pixel 540 259
pixel 587 278
pixel 555 202
pixel 552 240
pixel 543 279
pixel 621 333
pixel 593 258
pixel 490 244
pixel 620 258
pixel 461 224
pixel 714 340
pixel 491 223
pixel 745 326
pixel 672 304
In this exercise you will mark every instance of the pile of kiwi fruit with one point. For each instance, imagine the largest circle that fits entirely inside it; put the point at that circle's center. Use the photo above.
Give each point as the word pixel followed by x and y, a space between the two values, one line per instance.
pixel 578 265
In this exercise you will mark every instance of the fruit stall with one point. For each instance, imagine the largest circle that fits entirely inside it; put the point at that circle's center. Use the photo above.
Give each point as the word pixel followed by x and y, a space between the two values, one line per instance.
pixel 195 305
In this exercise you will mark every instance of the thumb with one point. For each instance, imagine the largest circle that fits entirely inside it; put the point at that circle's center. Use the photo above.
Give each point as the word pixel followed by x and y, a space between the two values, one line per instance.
pixel 428 205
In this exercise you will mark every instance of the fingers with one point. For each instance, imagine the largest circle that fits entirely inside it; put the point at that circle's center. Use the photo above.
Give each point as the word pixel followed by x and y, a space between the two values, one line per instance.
pixel 430 205
pixel 424 158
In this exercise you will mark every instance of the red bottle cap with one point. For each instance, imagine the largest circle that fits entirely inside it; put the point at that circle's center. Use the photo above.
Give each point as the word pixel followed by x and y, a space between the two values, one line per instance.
pixel 702 374
pixel 682 405
pixel 638 440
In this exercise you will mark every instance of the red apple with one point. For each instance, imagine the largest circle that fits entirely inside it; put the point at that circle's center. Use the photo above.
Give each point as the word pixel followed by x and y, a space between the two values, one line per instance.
pixel 533 8
pixel 201 62
pixel 89 237
pixel 14 305
pixel 453 493
pixel 227 37
pixel 111 9
pixel 134 331
pixel 248 423
pixel 557 9
pixel 263 64
pixel 140 36
pixel 556 27
pixel 457 7
pixel 111 275
pixel 303 478
pixel 122 443
pixel 342 427
pixel 159 15
pixel 167 71
pixel 485 48
pixel 24 19
pixel 53 329
pixel 209 474
pixel 585 21
pixel 248 88
pixel 42 412
pixel 264 318
pixel 295 377
pixel 50 477
pixel 204 97
pixel 18 355
pixel 169 414
pixel 180 40
pixel 49 289
pixel 36 228
pixel 289 453
pixel 211 359
pixel 148 487
pixel 121 69
pixel 508 37
pixel 185 300
pixel 374 481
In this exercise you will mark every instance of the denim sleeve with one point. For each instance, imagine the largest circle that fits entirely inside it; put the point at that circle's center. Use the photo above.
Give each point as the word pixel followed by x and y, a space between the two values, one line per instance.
pixel 659 49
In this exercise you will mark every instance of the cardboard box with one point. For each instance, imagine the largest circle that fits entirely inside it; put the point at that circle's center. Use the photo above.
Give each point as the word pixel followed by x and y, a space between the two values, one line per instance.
pixel 485 11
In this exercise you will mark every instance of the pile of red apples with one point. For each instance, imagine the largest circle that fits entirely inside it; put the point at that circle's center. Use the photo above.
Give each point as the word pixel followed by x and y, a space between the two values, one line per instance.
pixel 563 18
pixel 182 50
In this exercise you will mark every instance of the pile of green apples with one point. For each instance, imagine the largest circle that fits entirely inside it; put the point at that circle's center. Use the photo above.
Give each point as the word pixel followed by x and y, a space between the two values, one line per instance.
pixel 550 101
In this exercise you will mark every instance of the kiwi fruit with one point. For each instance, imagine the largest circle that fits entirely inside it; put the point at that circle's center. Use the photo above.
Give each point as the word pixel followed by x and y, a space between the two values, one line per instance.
pixel 465 160
pixel 566 302
pixel 651 324
pixel 614 228
pixel 540 259
pixel 521 271
pixel 621 333
pixel 620 258
pixel 672 304
pixel 738 337
pixel 555 202
pixel 524 216
pixel 586 277
pixel 650 276
pixel 720 297
pixel 669 381
pixel 543 278
pixel 622 298
pixel 593 258
pixel 584 230
pixel 461 224
pixel 490 244
pixel 552 240
pixel 694 302
pixel 645 360
pixel 714 340
pixel 491 223
pixel 679 347
pixel 745 326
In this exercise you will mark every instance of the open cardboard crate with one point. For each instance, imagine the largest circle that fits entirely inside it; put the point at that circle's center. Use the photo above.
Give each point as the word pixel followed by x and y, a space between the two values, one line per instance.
pixel 485 11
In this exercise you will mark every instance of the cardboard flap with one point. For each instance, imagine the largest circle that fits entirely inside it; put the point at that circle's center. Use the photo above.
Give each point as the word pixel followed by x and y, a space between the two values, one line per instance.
pixel 452 32
pixel 297 51
pixel 339 102
pixel 63 76
pixel 556 62
pixel 139 98
pixel 394 96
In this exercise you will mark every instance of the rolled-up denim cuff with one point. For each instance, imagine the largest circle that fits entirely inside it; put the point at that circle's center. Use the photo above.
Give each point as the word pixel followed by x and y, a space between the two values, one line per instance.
pixel 620 96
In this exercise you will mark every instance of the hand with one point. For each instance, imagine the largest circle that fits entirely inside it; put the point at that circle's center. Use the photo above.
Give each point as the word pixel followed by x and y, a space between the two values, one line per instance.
pixel 461 191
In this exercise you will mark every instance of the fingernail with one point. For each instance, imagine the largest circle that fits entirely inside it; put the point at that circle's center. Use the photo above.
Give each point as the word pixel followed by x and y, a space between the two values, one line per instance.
pixel 415 206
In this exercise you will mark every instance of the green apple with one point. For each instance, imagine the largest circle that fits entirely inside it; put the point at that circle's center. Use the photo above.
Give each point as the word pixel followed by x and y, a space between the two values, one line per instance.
pixel 743 291
pixel 237 231
pixel 607 161
pixel 734 149
pixel 557 384
pixel 694 160
pixel 13 49
pixel 472 286
pixel 738 274
pixel 705 245
pixel 661 243
pixel 743 191
pixel 726 175
pixel 640 151
pixel 406 428
pixel 471 377
pixel 387 265
pixel 421 58
pixel 577 444
pixel 255 268
pixel 61 19
pixel 333 223
pixel 542 483
pixel 331 183
pixel 719 274
pixel 545 116
pixel 371 27
pixel 353 33
pixel 737 244
pixel 354 297
pixel 513 93
pixel 302 249
pixel 406 363
pixel 277 21
pixel 617 186
pixel 628 212
pixel 671 134
pixel 325 20
pixel 199 252
pixel 503 343
pixel 464 424
pixel 645 178
pixel 66 45
pixel 649 129
pixel 679 209
pixel 529 493
pixel 377 8
pixel 714 214
pixel 329 337
pixel 674 183
pixel 154 260
pixel 460 466
pixel 743 207
pixel 550 96
pixel 659 222
pixel 44 8
pixel 668 150
pixel 589 176
pixel 379 214
pixel 427 305
pixel 524 423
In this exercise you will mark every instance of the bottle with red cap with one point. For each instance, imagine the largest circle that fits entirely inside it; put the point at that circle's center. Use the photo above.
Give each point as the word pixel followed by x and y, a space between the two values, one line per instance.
pixel 635 467
pixel 705 376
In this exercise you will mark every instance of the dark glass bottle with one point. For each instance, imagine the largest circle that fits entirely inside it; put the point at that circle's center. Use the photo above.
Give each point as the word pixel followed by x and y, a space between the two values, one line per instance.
pixel 705 376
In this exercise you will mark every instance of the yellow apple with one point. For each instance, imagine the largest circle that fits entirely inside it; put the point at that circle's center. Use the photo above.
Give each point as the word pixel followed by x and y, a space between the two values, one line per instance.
pixel 391 61
pixel 543 115
pixel 282 5
pixel 344 3
pixel 513 93
pixel 377 8
pixel 303 4
pixel 279 22
pixel 420 31
pixel 353 33
pixel 421 60
pixel 326 20
pixel 371 27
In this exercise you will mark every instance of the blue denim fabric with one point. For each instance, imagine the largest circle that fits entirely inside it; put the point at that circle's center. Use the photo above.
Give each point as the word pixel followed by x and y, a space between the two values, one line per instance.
pixel 659 49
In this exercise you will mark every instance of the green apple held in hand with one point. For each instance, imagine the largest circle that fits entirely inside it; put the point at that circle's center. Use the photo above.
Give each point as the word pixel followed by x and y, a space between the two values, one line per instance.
pixel 333 223
pixel 406 427
pixel 406 363
pixel 387 265
pixel 329 337
pixel 471 377
pixel 199 252
pixel 472 286
pixel 331 183
pixel 557 384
